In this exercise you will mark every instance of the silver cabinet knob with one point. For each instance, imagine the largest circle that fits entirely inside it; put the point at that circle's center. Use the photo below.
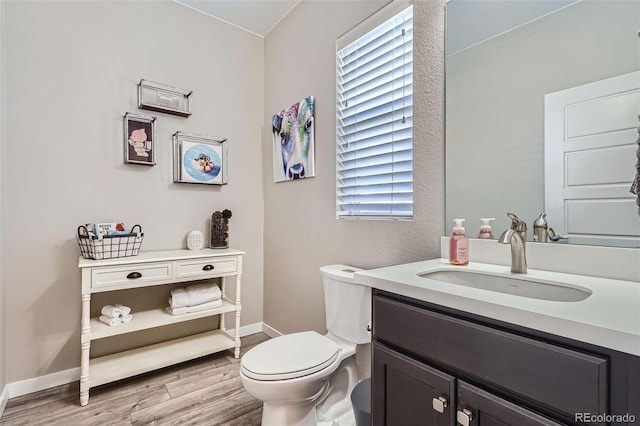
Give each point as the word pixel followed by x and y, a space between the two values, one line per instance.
pixel 369 327
pixel 439 404
pixel 464 417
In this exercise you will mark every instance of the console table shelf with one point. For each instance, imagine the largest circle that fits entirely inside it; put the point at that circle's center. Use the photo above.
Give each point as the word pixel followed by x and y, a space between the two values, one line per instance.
pixel 140 360
pixel 154 269
pixel 153 318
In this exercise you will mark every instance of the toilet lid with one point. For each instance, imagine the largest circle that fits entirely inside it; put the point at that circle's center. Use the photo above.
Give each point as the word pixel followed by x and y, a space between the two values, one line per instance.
pixel 289 356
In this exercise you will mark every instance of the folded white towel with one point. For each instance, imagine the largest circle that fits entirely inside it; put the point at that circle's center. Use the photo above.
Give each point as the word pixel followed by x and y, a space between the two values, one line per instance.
pixel 126 318
pixel 110 311
pixel 124 310
pixel 194 295
pixel 197 308
pixel 110 320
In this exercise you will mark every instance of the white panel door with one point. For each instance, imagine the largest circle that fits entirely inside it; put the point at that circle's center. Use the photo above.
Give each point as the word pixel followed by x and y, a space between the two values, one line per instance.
pixel 590 154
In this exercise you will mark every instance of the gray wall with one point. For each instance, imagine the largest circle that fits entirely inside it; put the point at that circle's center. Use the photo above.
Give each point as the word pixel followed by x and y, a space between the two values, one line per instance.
pixel 301 229
pixel 3 380
pixel 73 68
pixel 495 105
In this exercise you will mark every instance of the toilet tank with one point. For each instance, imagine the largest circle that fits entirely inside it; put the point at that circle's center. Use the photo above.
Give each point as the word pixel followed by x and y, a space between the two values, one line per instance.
pixel 347 304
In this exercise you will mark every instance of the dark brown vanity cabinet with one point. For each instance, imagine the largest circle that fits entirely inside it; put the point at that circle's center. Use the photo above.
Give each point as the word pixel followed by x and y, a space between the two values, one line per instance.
pixel 436 366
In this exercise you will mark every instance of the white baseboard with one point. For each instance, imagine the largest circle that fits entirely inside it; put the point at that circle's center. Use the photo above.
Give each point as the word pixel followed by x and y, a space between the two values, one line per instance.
pixel 24 387
pixel 4 398
pixel 39 383
pixel 270 331
pixel 246 330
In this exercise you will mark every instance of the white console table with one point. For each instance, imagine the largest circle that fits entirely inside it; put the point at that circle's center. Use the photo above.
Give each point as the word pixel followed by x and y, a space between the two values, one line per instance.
pixel 153 269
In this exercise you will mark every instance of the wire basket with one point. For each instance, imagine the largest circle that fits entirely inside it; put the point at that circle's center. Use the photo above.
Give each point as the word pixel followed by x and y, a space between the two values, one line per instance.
pixel 109 246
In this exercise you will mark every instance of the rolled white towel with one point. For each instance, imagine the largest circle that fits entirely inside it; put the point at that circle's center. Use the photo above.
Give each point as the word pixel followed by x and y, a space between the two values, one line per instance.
pixel 178 298
pixel 110 311
pixel 187 309
pixel 124 310
pixel 126 318
pixel 110 320
pixel 194 295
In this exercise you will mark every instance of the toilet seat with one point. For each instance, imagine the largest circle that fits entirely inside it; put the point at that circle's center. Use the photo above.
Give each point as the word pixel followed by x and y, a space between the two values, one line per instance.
pixel 289 356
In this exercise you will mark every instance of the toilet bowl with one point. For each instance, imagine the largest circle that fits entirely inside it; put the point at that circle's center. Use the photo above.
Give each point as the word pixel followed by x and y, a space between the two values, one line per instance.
pixel 305 378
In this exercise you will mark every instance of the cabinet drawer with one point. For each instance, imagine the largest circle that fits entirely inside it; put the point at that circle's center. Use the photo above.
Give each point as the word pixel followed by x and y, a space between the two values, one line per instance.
pixel 130 276
pixel 206 267
pixel 557 378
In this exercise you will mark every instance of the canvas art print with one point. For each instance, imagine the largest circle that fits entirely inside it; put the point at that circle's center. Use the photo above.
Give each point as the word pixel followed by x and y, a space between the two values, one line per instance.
pixel 293 142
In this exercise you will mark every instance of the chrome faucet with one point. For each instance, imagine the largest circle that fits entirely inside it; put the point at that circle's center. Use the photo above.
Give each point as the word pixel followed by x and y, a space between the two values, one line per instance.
pixel 517 237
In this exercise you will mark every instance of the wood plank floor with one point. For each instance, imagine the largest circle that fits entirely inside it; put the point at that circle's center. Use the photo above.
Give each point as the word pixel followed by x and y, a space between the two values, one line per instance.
pixel 206 391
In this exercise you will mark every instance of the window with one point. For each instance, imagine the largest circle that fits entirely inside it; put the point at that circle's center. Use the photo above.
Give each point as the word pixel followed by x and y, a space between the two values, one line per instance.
pixel 375 116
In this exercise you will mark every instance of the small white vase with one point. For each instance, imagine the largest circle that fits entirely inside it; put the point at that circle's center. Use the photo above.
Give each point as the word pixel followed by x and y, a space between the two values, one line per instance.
pixel 195 240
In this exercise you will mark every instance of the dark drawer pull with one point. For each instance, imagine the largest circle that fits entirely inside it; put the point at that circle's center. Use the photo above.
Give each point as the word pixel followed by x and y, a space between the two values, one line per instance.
pixel 134 275
pixel 207 267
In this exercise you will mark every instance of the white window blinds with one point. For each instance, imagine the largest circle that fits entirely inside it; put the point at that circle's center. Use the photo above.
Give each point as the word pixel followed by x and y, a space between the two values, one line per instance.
pixel 374 119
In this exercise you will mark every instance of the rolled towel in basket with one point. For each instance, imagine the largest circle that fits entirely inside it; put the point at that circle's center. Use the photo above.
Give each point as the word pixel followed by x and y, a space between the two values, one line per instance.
pixel 124 310
pixel 197 308
pixel 111 311
pixel 193 295
pixel 110 320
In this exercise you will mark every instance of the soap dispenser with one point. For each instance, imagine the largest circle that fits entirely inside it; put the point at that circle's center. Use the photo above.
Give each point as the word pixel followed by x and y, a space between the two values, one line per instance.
pixel 485 229
pixel 458 245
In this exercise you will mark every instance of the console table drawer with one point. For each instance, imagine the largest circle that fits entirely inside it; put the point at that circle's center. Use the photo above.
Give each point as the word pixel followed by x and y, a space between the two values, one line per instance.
pixel 130 276
pixel 206 267
pixel 561 379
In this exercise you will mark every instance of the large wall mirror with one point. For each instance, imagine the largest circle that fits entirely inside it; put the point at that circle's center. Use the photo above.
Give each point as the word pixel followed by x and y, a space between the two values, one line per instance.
pixel 542 105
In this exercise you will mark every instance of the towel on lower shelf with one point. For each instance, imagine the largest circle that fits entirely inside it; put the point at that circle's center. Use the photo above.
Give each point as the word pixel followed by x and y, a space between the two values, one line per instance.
pixel 110 320
pixel 194 295
pixel 111 311
pixel 124 310
pixel 197 308
pixel 126 318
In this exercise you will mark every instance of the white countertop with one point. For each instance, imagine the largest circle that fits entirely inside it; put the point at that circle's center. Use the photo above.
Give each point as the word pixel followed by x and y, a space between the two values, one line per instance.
pixel 609 317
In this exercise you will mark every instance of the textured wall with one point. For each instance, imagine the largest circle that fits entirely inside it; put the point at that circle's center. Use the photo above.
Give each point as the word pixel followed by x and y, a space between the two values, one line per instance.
pixel 301 229
pixel 71 70
pixel 3 380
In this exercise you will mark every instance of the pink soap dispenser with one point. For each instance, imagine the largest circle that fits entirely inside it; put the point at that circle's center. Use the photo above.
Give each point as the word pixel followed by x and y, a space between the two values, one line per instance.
pixel 485 229
pixel 458 245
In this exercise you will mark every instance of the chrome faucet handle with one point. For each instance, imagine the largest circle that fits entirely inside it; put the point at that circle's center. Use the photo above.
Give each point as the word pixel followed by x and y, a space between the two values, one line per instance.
pixel 516 236
pixel 517 224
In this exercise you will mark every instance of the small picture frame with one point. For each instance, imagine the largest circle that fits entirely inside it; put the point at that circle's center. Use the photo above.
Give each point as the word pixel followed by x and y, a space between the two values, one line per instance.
pixel 139 139
pixel 162 98
pixel 199 159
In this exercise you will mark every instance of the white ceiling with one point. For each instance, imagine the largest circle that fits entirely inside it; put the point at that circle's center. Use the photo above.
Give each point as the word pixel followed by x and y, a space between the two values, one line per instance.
pixel 256 16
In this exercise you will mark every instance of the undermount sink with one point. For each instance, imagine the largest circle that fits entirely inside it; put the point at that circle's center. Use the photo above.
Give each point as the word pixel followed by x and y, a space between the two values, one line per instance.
pixel 518 286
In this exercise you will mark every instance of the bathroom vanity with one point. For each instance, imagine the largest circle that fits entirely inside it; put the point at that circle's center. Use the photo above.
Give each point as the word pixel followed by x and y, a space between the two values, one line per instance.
pixel 155 268
pixel 447 354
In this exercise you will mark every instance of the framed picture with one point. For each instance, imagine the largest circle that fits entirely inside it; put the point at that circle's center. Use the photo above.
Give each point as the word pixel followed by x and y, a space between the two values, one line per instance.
pixel 139 139
pixel 293 142
pixel 163 98
pixel 199 159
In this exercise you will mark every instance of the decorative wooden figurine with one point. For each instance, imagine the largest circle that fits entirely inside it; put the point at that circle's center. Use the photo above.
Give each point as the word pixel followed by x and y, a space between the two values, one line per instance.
pixel 220 229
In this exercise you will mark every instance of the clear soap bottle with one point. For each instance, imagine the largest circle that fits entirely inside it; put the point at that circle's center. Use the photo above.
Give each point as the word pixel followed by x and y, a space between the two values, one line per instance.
pixel 485 229
pixel 458 245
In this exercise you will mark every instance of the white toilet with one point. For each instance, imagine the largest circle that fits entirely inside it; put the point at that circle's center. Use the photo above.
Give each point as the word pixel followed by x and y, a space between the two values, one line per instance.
pixel 306 379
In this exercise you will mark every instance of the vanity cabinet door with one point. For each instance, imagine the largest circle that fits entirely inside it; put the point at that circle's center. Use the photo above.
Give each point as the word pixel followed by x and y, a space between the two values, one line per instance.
pixel 479 408
pixel 407 392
